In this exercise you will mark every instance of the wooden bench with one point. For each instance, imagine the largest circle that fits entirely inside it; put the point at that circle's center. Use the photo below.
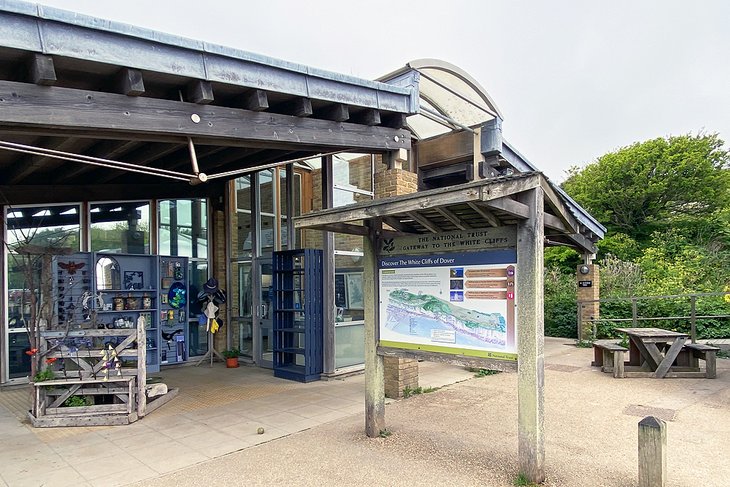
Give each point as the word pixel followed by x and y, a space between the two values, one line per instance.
pixel 609 355
pixel 708 353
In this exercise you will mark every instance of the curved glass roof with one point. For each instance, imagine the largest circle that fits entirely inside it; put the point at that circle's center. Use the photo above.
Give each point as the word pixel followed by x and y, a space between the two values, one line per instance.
pixel 450 99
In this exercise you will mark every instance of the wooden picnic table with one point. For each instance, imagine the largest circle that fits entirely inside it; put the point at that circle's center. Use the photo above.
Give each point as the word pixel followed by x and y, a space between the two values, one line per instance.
pixel 648 348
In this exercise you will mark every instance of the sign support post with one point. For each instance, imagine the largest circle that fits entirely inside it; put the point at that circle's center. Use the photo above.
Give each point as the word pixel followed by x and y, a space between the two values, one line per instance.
pixel 530 342
pixel 374 369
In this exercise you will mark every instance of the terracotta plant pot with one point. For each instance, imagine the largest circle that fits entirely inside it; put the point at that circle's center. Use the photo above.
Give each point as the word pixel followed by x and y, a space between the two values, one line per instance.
pixel 232 363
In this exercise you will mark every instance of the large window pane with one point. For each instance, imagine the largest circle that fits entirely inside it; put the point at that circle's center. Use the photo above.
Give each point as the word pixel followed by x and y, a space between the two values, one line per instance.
pixel 352 179
pixel 349 345
pixel 241 222
pixel 197 336
pixel 297 204
pixel 267 191
pixel 120 227
pixel 183 232
pixel 243 307
pixel 183 228
pixel 352 170
pixel 348 278
pixel 55 227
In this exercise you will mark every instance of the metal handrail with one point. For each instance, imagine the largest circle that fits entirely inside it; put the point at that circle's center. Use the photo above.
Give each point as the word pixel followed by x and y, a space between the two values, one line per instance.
pixel 635 318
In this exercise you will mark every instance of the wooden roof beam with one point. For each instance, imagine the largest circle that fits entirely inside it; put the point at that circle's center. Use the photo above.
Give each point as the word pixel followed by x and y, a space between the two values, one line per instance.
pixel 368 116
pixel 425 222
pixel 108 149
pixel 30 163
pixel 143 157
pixel 552 199
pixel 512 186
pixel 447 148
pixel 130 82
pixel 553 222
pixel 510 206
pixel 449 215
pixel 336 112
pixel 109 115
pixel 395 120
pixel 53 193
pixel 486 214
pixel 41 70
pixel 398 225
pixel 199 92
pixel 256 101
pixel 422 200
pixel 204 154
pixel 299 107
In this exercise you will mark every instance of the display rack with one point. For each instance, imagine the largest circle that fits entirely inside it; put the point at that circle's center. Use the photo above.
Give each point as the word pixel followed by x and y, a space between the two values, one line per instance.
pixel 297 319
pixel 105 336
pixel 125 291
pixel 173 315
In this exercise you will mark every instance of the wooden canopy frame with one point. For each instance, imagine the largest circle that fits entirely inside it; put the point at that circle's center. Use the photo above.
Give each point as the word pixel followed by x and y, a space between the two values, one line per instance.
pixel 527 201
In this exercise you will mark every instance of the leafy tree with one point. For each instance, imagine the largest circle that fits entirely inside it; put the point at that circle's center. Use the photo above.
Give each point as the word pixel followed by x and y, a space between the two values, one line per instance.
pixel 666 204
pixel 619 245
pixel 654 184
pixel 563 258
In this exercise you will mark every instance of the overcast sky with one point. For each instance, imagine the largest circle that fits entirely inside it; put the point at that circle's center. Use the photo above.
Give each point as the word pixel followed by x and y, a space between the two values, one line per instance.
pixel 573 79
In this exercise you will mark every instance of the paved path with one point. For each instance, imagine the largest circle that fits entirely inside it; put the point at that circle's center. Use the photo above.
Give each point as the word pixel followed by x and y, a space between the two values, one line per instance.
pixel 465 435
pixel 218 411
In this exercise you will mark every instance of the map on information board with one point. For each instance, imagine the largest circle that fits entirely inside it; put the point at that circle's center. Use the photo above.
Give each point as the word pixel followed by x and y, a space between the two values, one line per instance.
pixel 459 303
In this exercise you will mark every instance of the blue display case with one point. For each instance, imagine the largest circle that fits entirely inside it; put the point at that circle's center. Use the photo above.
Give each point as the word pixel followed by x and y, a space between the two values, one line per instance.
pixel 298 318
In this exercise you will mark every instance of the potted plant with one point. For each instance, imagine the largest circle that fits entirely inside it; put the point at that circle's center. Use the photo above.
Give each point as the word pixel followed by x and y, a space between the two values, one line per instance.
pixel 231 356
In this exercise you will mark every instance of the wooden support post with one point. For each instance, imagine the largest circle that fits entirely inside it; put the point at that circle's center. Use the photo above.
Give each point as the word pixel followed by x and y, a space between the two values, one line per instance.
pixel 652 452
pixel 618 365
pixel 374 370
pixel 711 364
pixel 141 382
pixel 693 318
pixel 328 270
pixel 634 313
pixel 530 343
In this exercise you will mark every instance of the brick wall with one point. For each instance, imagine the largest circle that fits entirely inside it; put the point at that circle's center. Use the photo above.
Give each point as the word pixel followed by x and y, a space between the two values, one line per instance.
pixel 395 182
pixel 589 311
pixel 399 372
pixel 219 272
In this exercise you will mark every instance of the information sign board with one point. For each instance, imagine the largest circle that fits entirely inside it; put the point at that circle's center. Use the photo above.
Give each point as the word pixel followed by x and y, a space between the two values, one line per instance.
pixel 460 303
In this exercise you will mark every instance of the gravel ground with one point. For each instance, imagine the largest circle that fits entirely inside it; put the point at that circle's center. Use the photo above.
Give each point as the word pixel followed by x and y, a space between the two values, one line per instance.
pixel 466 434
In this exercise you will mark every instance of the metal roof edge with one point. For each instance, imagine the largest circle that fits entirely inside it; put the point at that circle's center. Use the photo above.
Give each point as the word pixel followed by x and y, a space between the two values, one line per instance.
pixel 521 163
pixel 52 14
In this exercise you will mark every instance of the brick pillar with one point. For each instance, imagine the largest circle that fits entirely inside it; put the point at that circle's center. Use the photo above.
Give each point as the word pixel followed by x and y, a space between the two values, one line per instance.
pixel 219 272
pixel 399 374
pixel 589 287
pixel 395 182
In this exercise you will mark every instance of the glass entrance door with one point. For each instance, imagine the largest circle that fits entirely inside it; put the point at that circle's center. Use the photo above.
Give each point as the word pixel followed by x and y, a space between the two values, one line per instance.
pixel 264 313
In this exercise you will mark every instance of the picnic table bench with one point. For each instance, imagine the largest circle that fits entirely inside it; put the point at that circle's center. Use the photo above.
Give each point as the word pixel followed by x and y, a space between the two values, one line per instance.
pixel 609 355
pixel 658 353
pixel 708 353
